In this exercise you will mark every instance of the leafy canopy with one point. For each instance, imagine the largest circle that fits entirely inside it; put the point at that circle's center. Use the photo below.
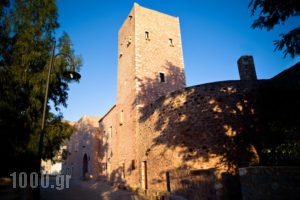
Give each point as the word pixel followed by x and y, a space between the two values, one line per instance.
pixel 274 12
pixel 27 30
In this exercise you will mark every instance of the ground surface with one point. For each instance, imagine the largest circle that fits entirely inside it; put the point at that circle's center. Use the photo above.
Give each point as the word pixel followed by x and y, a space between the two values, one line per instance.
pixel 84 190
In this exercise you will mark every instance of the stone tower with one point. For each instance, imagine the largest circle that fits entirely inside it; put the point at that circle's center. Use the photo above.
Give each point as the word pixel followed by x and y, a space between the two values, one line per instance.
pixel 150 65
pixel 150 62
pixel 246 68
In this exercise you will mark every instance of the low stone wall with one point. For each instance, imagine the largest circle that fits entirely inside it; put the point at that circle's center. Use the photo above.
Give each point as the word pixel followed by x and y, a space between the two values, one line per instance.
pixel 270 183
pixel 192 184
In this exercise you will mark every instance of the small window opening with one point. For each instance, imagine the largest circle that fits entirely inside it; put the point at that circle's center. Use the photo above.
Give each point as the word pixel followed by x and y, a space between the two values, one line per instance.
pixel 121 117
pixel 133 167
pixel 171 42
pixel 123 170
pixel 162 77
pixel 147 35
pixel 110 132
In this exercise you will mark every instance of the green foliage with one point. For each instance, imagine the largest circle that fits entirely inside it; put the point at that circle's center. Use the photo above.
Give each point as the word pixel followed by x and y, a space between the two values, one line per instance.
pixel 26 33
pixel 274 12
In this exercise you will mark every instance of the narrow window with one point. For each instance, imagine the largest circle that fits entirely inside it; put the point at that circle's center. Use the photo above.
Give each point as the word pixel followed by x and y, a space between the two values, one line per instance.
pixel 144 174
pixel 146 35
pixel 133 167
pixel 110 132
pixel 161 77
pixel 121 117
pixel 123 170
pixel 171 42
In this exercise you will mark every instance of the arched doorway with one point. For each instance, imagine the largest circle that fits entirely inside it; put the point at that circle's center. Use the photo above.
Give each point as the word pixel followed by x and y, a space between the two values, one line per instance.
pixel 84 165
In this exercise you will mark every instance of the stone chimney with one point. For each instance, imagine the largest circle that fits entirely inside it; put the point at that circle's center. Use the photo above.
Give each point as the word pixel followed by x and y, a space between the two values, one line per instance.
pixel 246 68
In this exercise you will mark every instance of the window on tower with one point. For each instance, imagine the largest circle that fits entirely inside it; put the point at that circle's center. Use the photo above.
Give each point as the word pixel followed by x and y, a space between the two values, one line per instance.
pixel 147 35
pixel 121 117
pixel 161 77
pixel 171 42
pixel 110 131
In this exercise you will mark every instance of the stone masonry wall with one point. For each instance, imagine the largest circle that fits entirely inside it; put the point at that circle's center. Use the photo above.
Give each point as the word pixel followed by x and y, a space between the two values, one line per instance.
pixel 140 60
pixel 198 128
pixel 84 141
pixel 156 54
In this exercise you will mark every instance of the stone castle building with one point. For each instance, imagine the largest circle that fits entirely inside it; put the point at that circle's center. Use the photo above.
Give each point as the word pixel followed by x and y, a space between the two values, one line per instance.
pixel 150 65
pixel 83 149
pixel 162 137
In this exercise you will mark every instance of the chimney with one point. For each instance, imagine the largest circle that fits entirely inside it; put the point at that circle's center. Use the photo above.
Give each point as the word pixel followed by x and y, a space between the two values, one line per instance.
pixel 246 68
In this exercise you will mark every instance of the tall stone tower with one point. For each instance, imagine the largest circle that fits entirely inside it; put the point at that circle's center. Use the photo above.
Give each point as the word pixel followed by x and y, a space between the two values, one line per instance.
pixel 150 62
pixel 150 65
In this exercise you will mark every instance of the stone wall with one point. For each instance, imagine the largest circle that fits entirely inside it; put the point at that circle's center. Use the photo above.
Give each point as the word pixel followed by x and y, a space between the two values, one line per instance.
pixel 192 184
pixel 140 61
pixel 270 183
pixel 161 127
pixel 155 54
pixel 84 143
pixel 199 128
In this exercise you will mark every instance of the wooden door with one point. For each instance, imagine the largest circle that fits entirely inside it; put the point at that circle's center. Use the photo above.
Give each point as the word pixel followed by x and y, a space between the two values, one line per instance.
pixel 144 174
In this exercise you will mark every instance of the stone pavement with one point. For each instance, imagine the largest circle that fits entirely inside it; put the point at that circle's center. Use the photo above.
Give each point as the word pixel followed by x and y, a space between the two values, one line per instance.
pixel 85 190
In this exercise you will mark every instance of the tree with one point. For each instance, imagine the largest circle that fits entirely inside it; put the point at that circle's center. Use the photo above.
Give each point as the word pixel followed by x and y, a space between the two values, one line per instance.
pixel 274 12
pixel 27 29
pixel 277 135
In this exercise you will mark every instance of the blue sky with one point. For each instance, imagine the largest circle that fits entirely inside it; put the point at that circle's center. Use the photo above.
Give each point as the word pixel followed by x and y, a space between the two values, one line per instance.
pixel 214 35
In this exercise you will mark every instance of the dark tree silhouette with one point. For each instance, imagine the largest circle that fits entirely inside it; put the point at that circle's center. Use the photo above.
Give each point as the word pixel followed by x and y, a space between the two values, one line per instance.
pixel 274 12
pixel 27 29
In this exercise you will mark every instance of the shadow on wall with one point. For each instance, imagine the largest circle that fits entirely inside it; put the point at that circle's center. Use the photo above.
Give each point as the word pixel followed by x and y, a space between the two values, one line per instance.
pixel 83 160
pixel 151 89
pixel 226 125
pixel 108 169
pixel 104 153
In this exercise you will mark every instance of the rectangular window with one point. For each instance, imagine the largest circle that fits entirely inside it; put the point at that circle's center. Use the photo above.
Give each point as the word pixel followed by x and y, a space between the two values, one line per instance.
pixel 123 170
pixel 147 35
pixel 161 77
pixel 133 167
pixel 144 175
pixel 121 117
pixel 171 42
pixel 110 132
